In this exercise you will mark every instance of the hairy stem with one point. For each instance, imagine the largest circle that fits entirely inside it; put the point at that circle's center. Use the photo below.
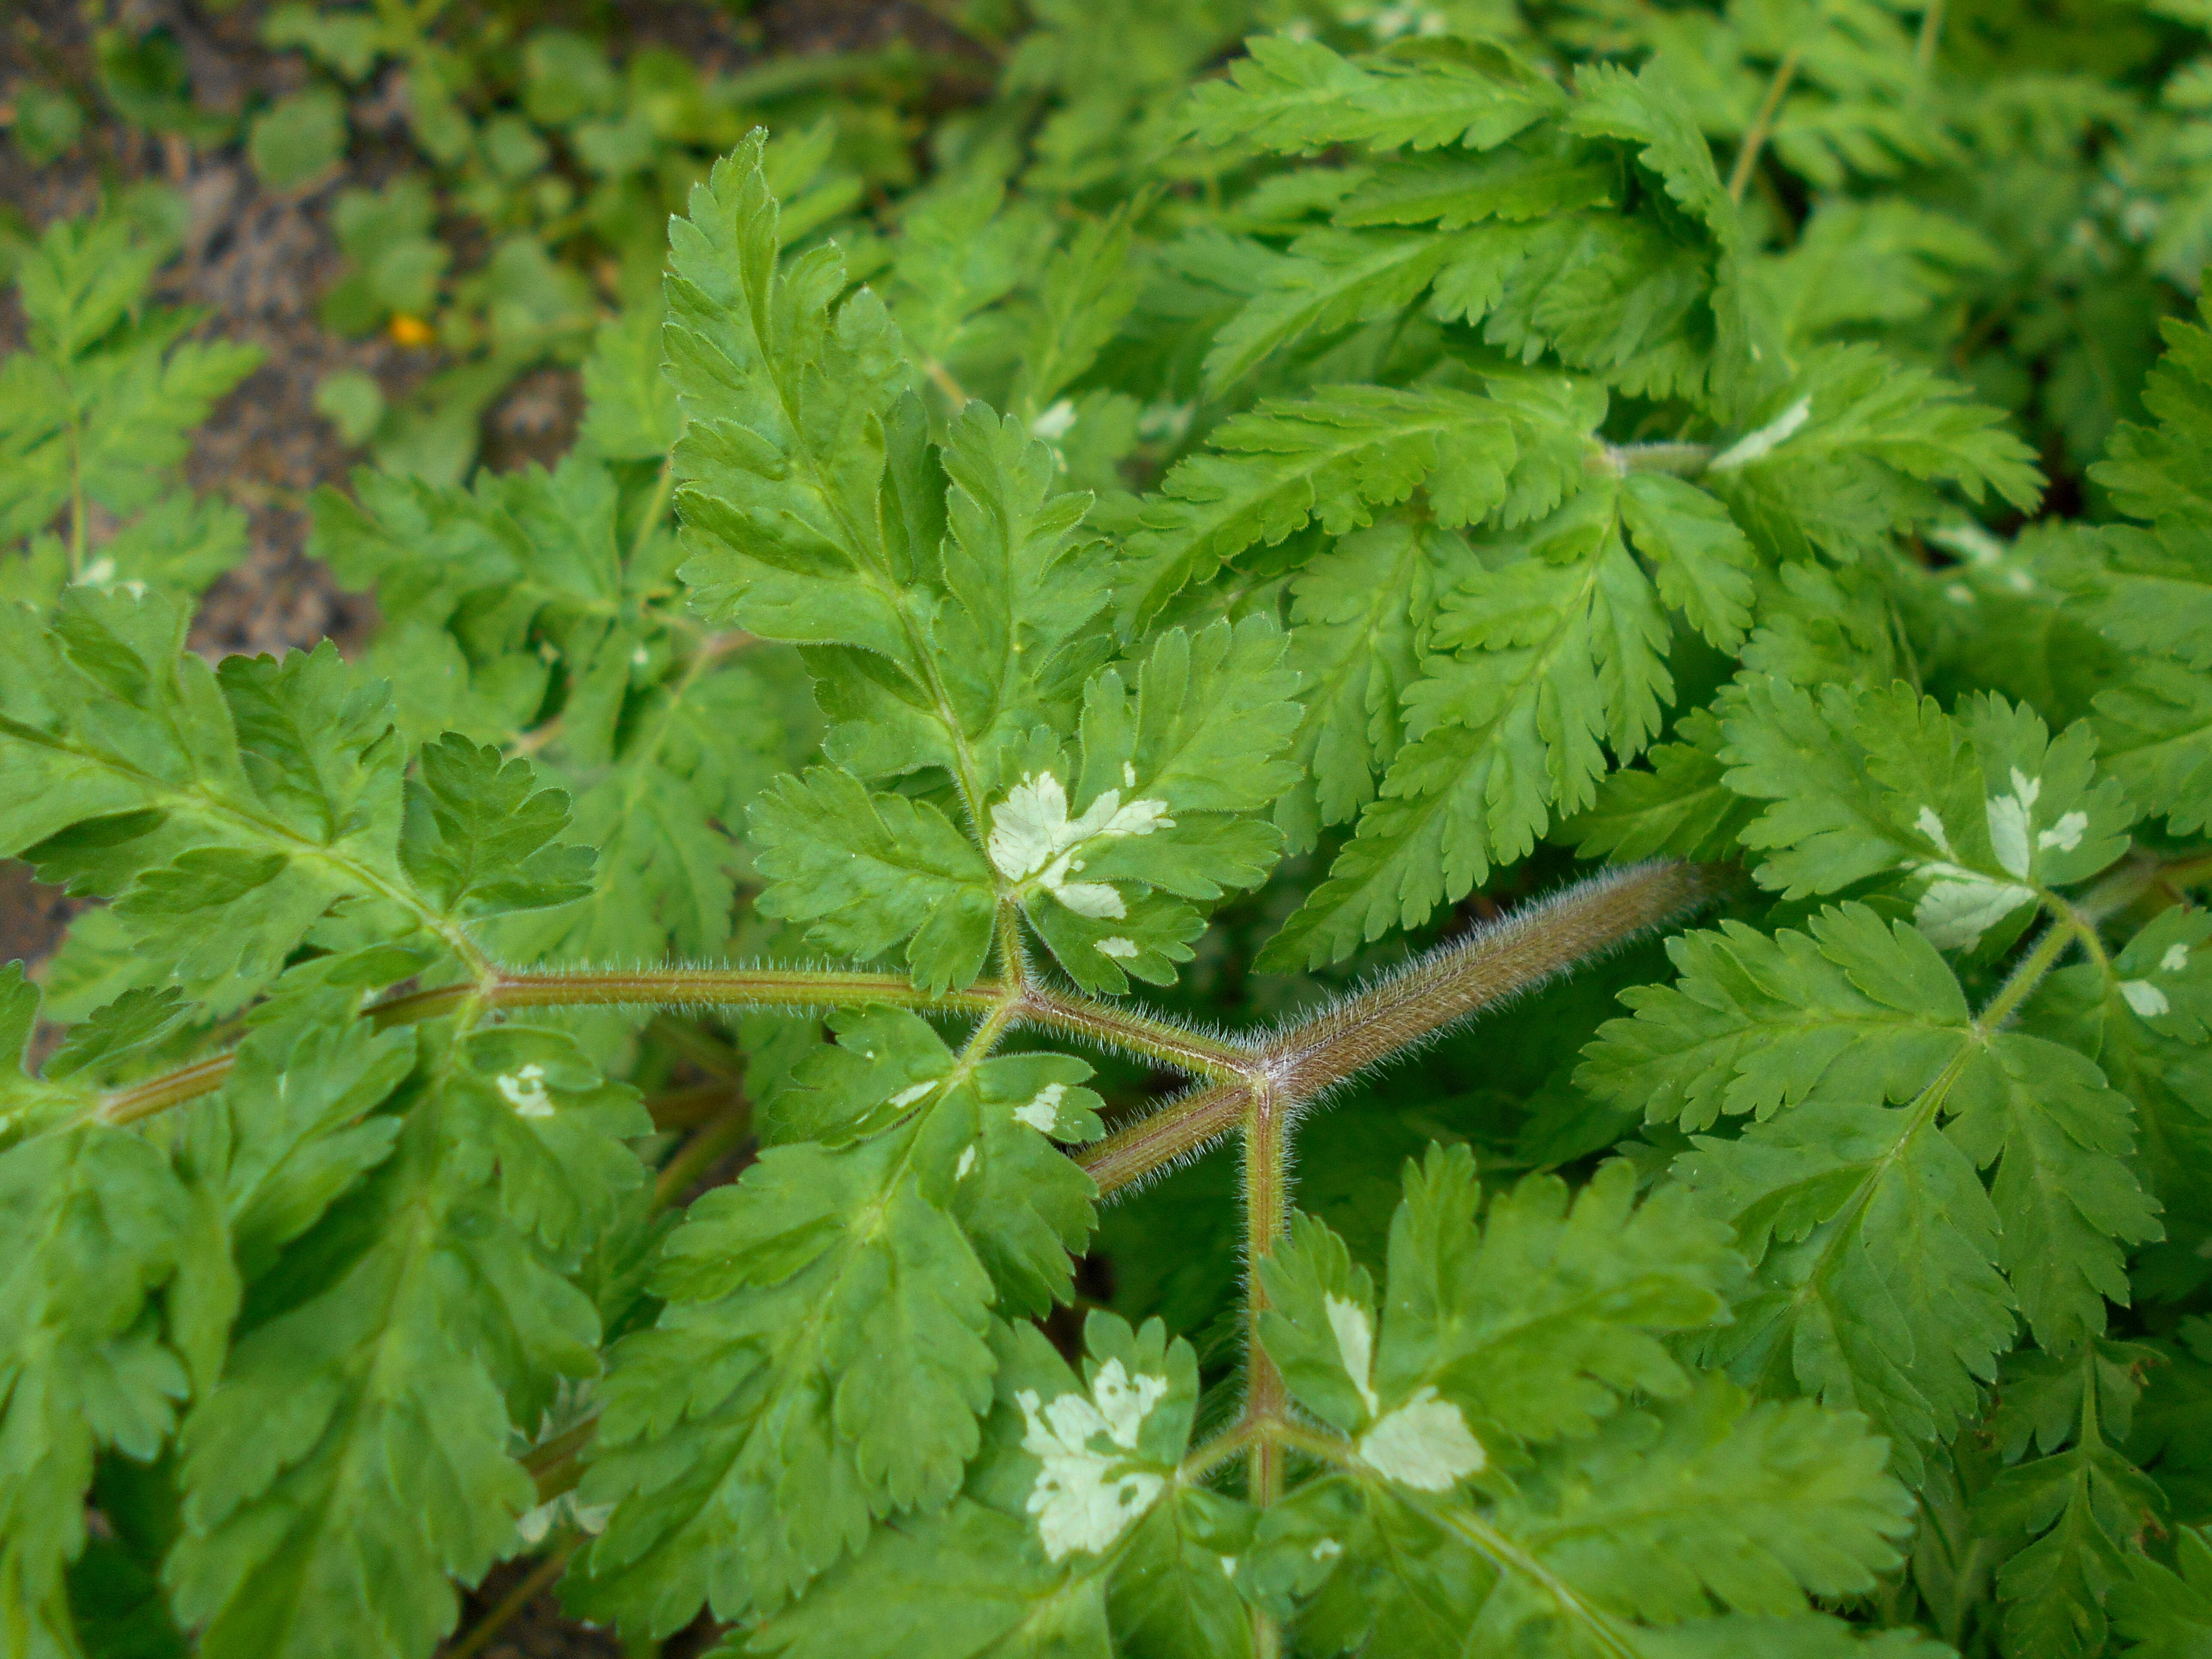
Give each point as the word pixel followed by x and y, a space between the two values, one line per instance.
pixel 2084 928
pixel 1496 961
pixel 1161 1139
pixel 1493 963
pixel 1321 1445
pixel 771 988
pixel 989 1030
pixel 141 1100
pixel 1267 1214
pixel 2026 977
pixel 1754 140
pixel 2140 873
pixel 789 988
pixel 1013 959
pixel 1203 1460
pixel 1135 1032
pixel 718 988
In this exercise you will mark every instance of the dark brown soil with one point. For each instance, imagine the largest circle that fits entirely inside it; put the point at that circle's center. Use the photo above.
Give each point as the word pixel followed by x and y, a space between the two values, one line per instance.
pixel 255 262
pixel 539 1632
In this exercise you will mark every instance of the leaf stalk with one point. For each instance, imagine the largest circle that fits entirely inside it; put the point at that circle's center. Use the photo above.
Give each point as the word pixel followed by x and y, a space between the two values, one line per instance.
pixel 714 1139
pixel 1267 1216
pixel 1492 963
pixel 1291 1068
pixel 1762 125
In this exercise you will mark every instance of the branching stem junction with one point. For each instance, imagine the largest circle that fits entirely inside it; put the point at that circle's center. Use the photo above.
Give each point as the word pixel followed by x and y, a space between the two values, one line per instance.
pixel 1256 1086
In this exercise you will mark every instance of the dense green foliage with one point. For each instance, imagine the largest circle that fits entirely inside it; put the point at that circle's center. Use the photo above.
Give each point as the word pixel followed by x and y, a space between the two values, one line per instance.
pixel 1231 518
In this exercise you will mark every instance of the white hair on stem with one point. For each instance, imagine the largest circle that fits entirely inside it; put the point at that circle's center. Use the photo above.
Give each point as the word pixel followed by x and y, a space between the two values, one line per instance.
pixel 1401 1010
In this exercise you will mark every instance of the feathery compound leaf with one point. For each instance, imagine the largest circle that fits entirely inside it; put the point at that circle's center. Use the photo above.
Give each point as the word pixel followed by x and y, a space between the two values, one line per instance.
pixel 815 505
pixel 1329 280
pixel 961 251
pixel 1497 425
pixel 100 409
pixel 1701 560
pixel 2154 592
pixel 2164 1613
pixel 30 1102
pixel 2153 597
pixel 988 1140
pixel 868 870
pixel 1525 1330
pixel 2165 974
pixel 2082 1503
pixel 1857 424
pixel 661 736
pixel 1073 1506
pixel 1717 1500
pixel 1879 1250
pixel 1088 288
pixel 1869 1015
pixel 2167 1083
pixel 2064 1188
pixel 1682 806
pixel 629 412
pixel 980 649
pixel 786 392
pixel 1356 613
pixel 355 1458
pixel 827 1321
pixel 1011 649
pixel 1642 110
pixel 480 835
pixel 1559 639
pixel 101 1225
pixel 1335 456
pixel 798 1347
pixel 1027 1209
pixel 230 813
pixel 1297 95
pixel 894 717
pixel 1627 1540
pixel 296 1123
pixel 1362 1569
pixel 2155 731
pixel 1161 806
pixel 2154 473
pixel 962 1582
pixel 1982 811
pixel 1526 179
